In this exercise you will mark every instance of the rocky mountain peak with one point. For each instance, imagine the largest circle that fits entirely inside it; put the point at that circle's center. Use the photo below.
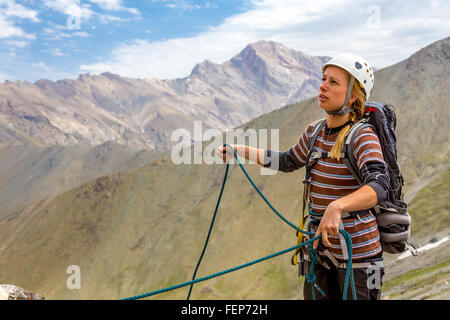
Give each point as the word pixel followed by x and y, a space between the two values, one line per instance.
pixel 273 53
pixel 110 76
pixel 436 53
pixel 276 57
pixel 84 77
pixel 268 48
pixel 203 67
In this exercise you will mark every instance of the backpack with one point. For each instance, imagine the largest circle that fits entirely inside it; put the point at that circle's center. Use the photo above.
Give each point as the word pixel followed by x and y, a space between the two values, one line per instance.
pixel 392 217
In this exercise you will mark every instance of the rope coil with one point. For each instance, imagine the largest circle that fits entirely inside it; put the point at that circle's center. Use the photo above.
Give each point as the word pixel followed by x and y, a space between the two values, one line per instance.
pixel 310 277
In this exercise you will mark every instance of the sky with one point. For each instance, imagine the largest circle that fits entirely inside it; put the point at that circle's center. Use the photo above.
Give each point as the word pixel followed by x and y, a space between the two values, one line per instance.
pixel 165 39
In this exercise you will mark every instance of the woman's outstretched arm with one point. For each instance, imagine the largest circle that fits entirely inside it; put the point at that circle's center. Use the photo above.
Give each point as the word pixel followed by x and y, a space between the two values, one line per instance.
pixel 280 161
pixel 252 154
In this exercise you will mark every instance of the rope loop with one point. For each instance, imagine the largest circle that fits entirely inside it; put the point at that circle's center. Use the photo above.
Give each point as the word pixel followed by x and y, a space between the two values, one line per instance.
pixel 310 276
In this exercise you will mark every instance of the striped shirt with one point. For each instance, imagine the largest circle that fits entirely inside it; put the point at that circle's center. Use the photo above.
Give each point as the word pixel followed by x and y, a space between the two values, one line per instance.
pixel 331 180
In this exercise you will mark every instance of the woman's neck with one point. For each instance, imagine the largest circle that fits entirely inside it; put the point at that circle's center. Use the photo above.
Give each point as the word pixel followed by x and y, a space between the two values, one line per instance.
pixel 337 121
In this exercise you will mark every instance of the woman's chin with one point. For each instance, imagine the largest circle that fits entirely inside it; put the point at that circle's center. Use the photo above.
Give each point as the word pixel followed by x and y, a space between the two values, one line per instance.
pixel 325 105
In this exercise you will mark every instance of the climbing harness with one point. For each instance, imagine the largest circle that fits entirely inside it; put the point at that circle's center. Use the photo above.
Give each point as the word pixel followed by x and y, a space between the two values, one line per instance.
pixel 310 276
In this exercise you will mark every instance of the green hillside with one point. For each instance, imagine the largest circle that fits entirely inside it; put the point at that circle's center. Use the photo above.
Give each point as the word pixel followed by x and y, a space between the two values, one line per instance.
pixel 430 209
pixel 425 276
pixel 143 230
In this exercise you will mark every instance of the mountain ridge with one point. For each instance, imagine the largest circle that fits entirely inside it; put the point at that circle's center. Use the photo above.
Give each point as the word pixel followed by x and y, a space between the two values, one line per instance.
pixel 143 113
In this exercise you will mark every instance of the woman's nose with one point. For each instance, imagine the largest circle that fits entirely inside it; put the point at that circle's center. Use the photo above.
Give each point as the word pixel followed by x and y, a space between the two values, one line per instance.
pixel 323 86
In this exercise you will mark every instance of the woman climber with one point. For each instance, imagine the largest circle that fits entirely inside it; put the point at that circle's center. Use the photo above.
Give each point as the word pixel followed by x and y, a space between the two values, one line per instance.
pixel 334 198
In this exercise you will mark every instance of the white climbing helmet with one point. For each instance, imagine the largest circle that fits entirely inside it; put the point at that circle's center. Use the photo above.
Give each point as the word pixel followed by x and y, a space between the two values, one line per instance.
pixel 357 67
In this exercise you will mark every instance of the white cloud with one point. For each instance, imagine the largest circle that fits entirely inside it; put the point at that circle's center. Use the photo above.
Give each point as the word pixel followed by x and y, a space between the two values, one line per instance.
pixel 109 4
pixel 13 9
pixel 71 8
pixel 56 32
pixel 17 43
pixel 114 5
pixel 83 10
pixel 185 5
pixel 78 13
pixel 10 12
pixel 175 57
pixel 56 52
pixel 209 5
pixel 81 34
pixel 182 4
pixel 8 29
pixel 41 65
pixel 320 27
pixel 106 18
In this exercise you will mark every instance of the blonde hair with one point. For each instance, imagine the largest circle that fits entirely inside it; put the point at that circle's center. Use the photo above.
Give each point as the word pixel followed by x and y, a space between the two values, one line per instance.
pixel 357 107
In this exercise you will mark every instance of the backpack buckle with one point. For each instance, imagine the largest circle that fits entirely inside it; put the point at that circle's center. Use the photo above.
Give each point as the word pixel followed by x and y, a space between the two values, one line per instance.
pixel 412 248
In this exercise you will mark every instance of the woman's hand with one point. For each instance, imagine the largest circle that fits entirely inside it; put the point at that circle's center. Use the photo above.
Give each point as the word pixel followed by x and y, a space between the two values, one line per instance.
pixel 329 225
pixel 226 155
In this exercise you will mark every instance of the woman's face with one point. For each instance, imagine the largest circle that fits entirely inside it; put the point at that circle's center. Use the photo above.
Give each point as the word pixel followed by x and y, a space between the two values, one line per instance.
pixel 333 89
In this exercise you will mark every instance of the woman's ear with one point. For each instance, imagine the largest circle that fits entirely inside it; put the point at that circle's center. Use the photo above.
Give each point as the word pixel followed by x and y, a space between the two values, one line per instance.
pixel 352 99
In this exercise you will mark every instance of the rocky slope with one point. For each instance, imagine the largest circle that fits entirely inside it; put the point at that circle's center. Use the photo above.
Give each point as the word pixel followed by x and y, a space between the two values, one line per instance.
pixel 29 173
pixel 418 87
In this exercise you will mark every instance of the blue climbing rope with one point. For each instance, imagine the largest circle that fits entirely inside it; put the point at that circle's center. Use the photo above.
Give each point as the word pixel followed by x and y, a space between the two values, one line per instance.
pixel 184 284
pixel 310 277
pixel 209 232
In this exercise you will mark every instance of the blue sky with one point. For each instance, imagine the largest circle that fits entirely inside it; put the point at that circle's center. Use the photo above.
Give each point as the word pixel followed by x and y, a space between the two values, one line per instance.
pixel 57 39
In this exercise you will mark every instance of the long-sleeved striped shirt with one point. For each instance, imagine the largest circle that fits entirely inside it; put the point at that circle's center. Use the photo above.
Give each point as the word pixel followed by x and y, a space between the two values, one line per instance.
pixel 331 180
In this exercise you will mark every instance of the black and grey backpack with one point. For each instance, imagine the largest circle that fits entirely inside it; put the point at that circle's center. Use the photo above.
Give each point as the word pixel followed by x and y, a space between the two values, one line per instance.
pixel 392 217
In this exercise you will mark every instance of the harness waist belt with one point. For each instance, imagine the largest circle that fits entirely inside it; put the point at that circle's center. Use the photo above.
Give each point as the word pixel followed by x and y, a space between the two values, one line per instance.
pixel 345 215
pixel 343 265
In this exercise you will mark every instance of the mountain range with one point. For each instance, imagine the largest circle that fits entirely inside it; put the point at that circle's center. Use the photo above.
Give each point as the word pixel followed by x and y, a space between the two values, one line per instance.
pixel 49 131
pixel 142 113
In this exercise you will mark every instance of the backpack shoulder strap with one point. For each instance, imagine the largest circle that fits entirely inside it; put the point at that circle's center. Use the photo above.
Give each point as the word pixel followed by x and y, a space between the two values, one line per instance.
pixel 347 148
pixel 315 133
pixel 350 161
pixel 312 141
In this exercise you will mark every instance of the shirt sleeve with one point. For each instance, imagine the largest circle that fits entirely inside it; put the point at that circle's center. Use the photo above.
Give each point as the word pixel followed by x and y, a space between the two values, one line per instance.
pixel 372 167
pixel 292 159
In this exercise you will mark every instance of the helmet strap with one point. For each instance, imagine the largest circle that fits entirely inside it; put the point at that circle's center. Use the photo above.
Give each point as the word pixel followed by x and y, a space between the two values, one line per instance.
pixel 344 109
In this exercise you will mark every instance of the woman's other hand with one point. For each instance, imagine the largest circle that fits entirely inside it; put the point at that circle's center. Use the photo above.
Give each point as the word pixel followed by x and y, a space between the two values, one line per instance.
pixel 329 225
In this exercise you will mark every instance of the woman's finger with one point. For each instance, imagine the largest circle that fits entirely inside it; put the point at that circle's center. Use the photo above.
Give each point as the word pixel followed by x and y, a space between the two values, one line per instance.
pixel 325 238
pixel 223 152
pixel 316 242
pixel 333 231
